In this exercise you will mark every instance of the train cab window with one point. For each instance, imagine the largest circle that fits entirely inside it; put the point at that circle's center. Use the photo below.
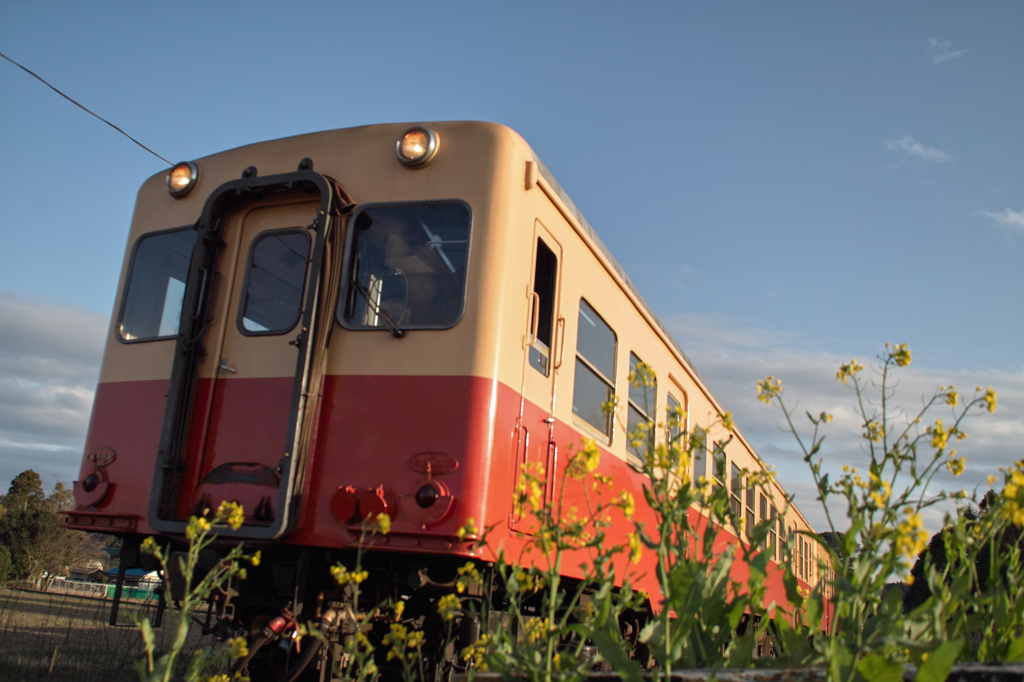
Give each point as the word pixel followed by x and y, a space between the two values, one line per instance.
pixel 274 280
pixel 594 383
pixel 641 408
pixel 544 275
pixel 151 308
pixel 406 266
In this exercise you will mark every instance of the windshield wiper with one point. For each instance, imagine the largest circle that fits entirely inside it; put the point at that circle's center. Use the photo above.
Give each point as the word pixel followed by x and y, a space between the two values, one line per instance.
pixel 435 243
pixel 390 323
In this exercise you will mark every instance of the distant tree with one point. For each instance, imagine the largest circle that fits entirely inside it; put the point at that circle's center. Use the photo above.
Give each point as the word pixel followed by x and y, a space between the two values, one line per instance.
pixel 5 563
pixel 26 491
pixel 29 529
pixel 935 554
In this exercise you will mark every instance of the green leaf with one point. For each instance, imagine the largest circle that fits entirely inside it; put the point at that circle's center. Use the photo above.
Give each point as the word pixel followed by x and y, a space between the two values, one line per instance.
pixel 939 662
pixel 611 651
pixel 876 669
pixel 1015 652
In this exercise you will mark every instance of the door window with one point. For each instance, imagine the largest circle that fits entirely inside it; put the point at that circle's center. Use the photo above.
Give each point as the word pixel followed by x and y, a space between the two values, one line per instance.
pixel 545 272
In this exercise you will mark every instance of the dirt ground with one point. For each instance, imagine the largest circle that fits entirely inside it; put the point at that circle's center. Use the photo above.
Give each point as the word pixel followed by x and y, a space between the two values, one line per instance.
pixel 68 638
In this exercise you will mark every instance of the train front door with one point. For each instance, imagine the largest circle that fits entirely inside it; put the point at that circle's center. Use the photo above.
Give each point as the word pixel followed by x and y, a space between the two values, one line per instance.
pixel 542 344
pixel 238 443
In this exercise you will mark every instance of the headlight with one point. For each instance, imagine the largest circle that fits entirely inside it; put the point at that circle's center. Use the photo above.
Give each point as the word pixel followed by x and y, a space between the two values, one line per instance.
pixel 182 178
pixel 416 146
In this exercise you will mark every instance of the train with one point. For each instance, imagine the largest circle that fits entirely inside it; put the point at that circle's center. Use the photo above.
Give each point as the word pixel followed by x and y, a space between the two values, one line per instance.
pixel 393 319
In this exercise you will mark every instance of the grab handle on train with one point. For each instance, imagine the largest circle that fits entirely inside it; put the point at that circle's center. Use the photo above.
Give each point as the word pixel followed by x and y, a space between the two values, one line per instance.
pixel 560 333
pixel 531 335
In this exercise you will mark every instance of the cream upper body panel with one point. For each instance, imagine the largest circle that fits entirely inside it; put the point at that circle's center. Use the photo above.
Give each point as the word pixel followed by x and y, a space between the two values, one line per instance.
pixel 363 160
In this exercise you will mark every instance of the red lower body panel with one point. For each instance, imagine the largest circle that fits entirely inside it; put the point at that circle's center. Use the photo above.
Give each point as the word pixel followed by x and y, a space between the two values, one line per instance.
pixel 375 435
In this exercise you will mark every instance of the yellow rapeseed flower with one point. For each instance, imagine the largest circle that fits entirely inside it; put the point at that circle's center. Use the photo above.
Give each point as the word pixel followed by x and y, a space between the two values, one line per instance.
pixel 237 648
pixel 625 502
pixel 343 576
pixel 635 547
pixel 990 399
pixel 232 513
pixel 768 388
pixel 1013 495
pixel 848 370
pixel 911 537
pixel 197 525
pixel 447 606
pixel 727 423
pixel 955 465
pixel 468 528
pixel 901 354
pixel 585 461
pixel 952 397
pixel 939 435
pixel 873 431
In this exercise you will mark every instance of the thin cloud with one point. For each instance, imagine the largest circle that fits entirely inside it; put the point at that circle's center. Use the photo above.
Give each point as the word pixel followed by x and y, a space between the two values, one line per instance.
pixel 941 51
pixel 731 371
pixel 1007 217
pixel 909 146
pixel 49 363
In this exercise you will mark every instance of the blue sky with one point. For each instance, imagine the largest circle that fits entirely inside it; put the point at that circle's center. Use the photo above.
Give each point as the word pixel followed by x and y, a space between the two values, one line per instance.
pixel 788 184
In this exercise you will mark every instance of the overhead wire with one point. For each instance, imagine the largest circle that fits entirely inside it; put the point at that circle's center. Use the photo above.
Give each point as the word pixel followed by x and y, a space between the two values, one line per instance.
pixel 43 81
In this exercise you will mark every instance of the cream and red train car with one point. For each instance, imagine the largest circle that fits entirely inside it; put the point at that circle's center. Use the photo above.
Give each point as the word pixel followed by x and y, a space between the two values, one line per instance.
pixel 383 318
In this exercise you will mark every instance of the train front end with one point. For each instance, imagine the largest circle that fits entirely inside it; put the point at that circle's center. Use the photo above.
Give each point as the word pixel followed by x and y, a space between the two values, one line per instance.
pixel 307 328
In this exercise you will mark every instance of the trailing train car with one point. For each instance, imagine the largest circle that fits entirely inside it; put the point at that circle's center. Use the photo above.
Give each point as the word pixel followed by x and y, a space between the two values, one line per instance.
pixel 385 319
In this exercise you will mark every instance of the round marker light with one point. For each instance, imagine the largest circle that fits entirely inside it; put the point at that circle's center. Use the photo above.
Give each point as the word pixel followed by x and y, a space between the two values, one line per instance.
pixel 182 178
pixel 90 482
pixel 427 496
pixel 416 146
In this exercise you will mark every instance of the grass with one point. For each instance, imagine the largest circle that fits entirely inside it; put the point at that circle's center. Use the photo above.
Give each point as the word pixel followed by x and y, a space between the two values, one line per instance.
pixel 68 638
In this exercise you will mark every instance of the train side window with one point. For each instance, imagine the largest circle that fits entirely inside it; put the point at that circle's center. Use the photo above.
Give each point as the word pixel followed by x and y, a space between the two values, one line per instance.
pixel 751 515
pixel 736 492
pixel 406 266
pixel 641 408
pixel 773 529
pixel 699 448
pixel 274 281
pixel 594 383
pixel 764 507
pixel 151 308
pixel 545 271
pixel 718 465
pixel 675 422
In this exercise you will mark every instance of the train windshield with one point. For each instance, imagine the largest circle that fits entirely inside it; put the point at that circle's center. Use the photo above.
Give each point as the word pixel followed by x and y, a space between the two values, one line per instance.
pixel 406 267
pixel 156 285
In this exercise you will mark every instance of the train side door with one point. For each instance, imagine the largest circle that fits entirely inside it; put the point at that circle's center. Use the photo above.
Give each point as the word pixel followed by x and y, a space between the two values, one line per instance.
pixel 542 345
pixel 240 432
